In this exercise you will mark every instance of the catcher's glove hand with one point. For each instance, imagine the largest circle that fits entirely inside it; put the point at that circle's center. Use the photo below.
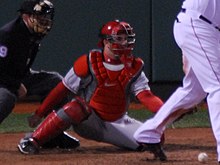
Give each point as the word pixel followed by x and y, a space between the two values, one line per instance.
pixel 33 120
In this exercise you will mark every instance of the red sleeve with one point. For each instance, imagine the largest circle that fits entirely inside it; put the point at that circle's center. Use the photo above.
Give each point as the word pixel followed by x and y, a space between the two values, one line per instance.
pixel 150 101
pixel 53 98
pixel 81 67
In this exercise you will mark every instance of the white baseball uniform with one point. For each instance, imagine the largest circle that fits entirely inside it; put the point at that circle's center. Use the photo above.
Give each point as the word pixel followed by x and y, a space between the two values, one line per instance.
pixel 197 34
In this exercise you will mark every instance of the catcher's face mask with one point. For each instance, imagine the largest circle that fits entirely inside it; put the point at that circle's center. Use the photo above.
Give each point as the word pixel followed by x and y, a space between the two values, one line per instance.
pixel 122 39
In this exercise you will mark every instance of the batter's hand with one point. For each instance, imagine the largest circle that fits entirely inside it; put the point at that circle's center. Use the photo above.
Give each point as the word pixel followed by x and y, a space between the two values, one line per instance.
pixel 22 91
pixel 33 120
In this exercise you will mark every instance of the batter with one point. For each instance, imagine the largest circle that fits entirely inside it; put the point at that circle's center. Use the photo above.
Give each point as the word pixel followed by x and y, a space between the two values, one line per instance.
pixel 197 33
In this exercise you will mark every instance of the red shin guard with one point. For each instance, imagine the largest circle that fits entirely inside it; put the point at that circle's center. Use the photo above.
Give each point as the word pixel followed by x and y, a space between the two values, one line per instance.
pixel 50 128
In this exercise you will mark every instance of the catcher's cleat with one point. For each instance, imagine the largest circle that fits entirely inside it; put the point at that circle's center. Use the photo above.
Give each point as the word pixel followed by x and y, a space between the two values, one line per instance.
pixel 156 149
pixel 28 146
pixel 63 141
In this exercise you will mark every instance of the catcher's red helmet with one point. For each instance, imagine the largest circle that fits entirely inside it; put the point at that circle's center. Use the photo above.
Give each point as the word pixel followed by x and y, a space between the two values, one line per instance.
pixel 120 34
pixel 106 29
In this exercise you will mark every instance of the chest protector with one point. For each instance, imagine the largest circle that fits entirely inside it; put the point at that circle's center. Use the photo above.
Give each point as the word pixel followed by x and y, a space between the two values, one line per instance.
pixel 111 95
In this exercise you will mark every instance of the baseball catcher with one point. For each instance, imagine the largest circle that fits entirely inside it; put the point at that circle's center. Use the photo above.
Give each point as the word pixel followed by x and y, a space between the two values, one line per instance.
pixel 102 82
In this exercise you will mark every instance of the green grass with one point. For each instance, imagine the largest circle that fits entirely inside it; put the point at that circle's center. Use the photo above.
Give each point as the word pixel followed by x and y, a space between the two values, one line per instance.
pixel 197 119
pixel 15 123
pixel 18 122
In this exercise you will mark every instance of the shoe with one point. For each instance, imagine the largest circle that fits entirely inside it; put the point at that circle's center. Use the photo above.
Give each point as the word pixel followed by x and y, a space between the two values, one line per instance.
pixel 28 146
pixel 63 141
pixel 156 149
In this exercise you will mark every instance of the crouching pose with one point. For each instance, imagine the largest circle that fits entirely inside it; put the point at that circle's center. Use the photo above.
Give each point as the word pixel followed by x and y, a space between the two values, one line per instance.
pixel 102 82
pixel 20 41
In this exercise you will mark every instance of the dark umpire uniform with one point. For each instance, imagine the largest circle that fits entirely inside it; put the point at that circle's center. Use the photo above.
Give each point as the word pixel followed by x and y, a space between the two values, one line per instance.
pixel 18 49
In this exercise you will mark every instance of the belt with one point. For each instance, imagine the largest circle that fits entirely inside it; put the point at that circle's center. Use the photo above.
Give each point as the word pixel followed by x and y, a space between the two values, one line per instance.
pixel 204 19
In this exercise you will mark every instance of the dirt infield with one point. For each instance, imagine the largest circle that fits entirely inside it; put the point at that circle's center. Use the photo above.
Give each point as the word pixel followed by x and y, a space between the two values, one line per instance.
pixel 182 147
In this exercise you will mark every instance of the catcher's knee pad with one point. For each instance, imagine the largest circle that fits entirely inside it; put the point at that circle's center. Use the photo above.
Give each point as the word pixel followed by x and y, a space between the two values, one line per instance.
pixel 75 111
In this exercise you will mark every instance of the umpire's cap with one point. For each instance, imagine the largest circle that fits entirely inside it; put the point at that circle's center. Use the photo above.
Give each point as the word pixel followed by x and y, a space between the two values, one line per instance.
pixel 37 7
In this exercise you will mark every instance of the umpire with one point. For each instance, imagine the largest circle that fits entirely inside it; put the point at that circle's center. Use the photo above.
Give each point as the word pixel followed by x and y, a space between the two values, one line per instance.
pixel 19 43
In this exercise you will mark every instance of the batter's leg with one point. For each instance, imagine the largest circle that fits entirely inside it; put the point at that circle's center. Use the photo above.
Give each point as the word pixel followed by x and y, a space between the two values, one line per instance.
pixel 214 113
pixel 183 98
